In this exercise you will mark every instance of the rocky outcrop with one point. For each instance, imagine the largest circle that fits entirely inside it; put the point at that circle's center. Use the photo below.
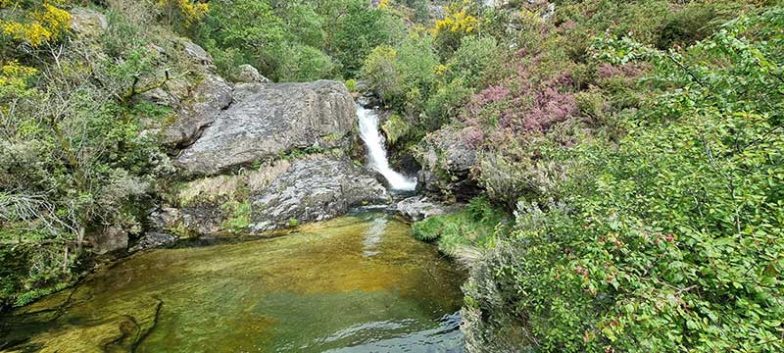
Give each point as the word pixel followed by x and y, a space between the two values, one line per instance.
pixel 186 222
pixel 248 74
pixel 193 90
pixel 313 189
pixel 417 208
pixel 267 120
pixel 153 240
pixel 198 110
pixel 277 195
pixel 87 22
pixel 447 156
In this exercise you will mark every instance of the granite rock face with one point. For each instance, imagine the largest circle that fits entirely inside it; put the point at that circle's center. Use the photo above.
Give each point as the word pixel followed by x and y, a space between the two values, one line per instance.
pixel 249 74
pixel 314 189
pixel 153 240
pixel 194 90
pixel 198 110
pixel 270 119
pixel 87 22
pixel 447 156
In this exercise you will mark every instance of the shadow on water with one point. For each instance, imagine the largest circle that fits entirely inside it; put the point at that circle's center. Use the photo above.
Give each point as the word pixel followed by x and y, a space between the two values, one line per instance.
pixel 356 284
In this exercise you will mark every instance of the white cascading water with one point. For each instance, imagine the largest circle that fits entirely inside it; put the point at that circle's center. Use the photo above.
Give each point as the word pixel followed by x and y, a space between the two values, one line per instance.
pixel 377 154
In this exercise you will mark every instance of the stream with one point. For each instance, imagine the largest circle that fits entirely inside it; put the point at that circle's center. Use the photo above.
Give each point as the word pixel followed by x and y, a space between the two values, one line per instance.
pixel 358 283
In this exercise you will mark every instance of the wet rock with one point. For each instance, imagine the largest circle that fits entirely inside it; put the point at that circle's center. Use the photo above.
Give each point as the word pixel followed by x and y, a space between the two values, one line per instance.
pixel 164 218
pixel 202 221
pixel 313 189
pixel 267 120
pixel 153 240
pixel 447 156
pixel 417 208
pixel 186 222
pixel 248 74
pixel 87 22
pixel 110 239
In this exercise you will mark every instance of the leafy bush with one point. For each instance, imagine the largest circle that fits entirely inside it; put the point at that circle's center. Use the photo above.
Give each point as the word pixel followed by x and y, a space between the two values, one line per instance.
pixel 672 241
pixel 34 22
pixel 304 63
pixel 395 128
pixel 74 159
pixel 381 73
pixel 474 60
pixel 296 41
pixel 458 21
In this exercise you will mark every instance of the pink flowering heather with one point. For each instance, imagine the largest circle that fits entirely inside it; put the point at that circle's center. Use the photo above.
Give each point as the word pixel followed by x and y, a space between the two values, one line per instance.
pixel 536 108
pixel 492 94
pixel 607 71
pixel 472 112
pixel 473 136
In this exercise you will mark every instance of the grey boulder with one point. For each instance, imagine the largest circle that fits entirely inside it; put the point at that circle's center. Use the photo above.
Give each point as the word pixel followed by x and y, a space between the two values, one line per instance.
pixel 153 240
pixel 447 156
pixel 248 74
pixel 314 189
pixel 270 119
pixel 198 109
pixel 417 208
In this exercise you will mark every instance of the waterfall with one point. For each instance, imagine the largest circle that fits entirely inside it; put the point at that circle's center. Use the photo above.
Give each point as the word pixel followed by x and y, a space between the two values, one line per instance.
pixel 377 154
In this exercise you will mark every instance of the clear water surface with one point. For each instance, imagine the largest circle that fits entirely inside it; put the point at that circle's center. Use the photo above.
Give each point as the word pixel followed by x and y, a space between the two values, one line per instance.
pixel 354 284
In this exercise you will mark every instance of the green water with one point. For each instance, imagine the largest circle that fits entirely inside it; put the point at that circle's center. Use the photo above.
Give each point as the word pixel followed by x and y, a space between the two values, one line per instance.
pixel 355 284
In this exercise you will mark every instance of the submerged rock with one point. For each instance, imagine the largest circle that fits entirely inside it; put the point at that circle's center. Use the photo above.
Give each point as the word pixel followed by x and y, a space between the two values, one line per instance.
pixel 313 189
pixel 267 120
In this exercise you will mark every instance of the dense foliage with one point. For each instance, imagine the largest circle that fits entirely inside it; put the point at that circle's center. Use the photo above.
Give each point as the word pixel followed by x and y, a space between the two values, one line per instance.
pixel 642 158
pixel 74 160
pixel 629 153
pixel 296 40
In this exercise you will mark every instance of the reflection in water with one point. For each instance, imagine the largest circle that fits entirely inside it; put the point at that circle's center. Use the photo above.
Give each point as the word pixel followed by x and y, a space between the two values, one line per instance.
pixel 373 237
pixel 313 291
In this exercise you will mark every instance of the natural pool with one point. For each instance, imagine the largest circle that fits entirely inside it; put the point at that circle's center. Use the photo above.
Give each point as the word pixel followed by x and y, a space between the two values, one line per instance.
pixel 355 284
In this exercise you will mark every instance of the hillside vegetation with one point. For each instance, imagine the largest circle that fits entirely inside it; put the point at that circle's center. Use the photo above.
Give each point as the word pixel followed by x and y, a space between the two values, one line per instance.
pixel 626 174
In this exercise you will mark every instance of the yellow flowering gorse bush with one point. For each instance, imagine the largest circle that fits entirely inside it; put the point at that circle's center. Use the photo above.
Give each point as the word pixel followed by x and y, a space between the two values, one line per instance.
pixel 190 11
pixel 44 24
pixel 456 21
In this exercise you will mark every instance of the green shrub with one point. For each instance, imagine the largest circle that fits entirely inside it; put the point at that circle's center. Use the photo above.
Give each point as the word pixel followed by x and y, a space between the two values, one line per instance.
pixel 356 28
pixel 382 74
pixel 237 216
pixel 445 103
pixel 672 240
pixel 473 59
pixel 351 85
pixel 396 128
pixel 304 63
pixel 478 225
